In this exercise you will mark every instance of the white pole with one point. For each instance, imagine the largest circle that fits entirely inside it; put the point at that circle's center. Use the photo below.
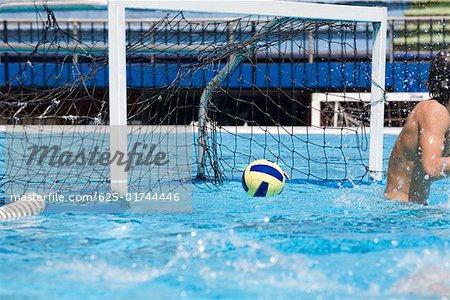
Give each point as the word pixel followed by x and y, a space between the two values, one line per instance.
pixel 315 109
pixel 377 99
pixel 336 114
pixel 117 92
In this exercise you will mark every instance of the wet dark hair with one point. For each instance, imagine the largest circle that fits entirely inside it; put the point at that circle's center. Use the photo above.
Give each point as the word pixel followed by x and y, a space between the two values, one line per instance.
pixel 439 77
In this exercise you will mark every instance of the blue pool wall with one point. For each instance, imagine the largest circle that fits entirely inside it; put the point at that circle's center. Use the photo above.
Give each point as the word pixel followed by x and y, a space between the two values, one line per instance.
pixel 400 76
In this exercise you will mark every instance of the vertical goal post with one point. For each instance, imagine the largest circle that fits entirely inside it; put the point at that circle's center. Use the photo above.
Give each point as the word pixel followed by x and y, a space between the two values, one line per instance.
pixel 117 54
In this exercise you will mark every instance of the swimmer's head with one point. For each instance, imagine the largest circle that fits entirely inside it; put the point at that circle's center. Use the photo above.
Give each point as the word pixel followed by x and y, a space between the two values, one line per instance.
pixel 439 77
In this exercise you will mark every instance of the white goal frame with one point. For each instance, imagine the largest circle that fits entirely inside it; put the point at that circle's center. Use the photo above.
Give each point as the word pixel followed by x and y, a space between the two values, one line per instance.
pixel 117 57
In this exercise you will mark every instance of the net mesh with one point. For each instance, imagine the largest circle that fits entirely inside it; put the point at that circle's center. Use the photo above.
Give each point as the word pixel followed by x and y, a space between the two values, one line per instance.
pixel 241 86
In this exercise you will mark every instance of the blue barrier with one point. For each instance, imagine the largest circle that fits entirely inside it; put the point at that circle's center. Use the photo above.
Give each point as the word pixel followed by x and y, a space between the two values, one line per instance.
pixel 400 76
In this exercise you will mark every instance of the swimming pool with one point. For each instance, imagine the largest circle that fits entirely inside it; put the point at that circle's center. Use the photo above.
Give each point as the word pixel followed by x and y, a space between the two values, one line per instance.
pixel 311 242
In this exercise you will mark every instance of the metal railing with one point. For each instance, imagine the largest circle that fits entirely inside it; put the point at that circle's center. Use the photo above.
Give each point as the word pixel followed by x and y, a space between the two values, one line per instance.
pixel 411 41
pixel 408 37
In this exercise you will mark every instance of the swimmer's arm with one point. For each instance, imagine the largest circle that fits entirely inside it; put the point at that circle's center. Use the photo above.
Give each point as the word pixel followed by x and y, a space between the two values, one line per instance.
pixel 433 128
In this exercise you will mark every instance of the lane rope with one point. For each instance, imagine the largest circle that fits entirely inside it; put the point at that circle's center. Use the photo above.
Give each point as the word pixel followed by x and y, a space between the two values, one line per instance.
pixel 29 204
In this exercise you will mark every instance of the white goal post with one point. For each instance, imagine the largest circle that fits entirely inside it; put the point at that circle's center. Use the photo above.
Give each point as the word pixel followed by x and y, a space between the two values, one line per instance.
pixel 117 55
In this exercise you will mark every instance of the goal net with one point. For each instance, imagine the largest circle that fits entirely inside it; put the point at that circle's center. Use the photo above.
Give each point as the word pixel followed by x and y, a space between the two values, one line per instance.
pixel 212 92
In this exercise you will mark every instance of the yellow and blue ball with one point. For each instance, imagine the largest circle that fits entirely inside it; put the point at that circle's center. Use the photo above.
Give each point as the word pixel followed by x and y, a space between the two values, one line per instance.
pixel 263 178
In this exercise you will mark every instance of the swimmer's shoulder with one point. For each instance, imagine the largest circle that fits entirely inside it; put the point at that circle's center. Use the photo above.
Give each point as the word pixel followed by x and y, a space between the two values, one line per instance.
pixel 421 115
pixel 428 110
pixel 429 105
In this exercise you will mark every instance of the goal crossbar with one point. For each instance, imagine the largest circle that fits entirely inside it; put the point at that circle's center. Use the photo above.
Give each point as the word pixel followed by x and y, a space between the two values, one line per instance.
pixel 267 8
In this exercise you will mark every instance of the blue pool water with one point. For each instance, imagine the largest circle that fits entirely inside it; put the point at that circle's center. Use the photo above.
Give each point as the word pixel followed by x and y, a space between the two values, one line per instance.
pixel 311 242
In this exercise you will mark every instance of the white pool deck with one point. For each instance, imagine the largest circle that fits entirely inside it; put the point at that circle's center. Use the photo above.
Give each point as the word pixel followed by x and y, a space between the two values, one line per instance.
pixel 292 130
